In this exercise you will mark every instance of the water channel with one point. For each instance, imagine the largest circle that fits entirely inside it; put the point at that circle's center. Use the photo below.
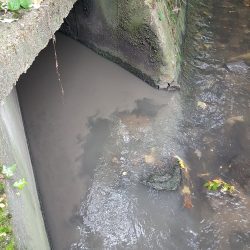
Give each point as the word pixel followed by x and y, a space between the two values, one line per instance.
pixel 92 146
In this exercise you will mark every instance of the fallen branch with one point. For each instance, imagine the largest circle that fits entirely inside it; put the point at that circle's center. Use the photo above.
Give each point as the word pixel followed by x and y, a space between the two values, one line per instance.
pixel 186 183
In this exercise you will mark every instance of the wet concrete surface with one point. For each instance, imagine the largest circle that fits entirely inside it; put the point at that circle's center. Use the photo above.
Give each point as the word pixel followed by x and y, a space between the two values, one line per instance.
pixel 92 147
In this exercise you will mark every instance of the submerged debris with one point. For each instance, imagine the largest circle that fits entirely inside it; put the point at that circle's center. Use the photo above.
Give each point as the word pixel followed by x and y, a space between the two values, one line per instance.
pixel 149 159
pixel 201 105
pixel 234 119
pixel 198 153
pixel 186 190
pixel 246 3
pixel 124 173
pixel 245 56
pixel 181 162
pixel 187 199
pixel 239 67
pixel 203 174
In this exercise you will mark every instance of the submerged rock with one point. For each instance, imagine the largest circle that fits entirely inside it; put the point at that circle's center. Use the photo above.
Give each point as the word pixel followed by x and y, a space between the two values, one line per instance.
pixel 239 67
pixel 169 179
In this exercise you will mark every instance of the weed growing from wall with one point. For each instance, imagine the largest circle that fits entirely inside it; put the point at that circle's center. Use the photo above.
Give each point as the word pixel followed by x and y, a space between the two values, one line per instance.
pixel 12 10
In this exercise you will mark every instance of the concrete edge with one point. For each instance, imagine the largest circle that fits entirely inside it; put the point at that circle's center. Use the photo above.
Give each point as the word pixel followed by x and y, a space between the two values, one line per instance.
pixel 21 41
pixel 27 219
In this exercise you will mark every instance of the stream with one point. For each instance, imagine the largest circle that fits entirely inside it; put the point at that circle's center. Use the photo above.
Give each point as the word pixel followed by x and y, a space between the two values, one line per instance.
pixel 92 146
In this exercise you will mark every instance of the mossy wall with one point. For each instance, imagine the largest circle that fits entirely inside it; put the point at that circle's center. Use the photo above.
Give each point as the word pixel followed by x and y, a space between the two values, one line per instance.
pixel 143 36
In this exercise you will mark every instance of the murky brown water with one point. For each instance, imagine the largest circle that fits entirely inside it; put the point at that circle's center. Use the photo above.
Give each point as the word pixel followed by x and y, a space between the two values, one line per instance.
pixel 91 147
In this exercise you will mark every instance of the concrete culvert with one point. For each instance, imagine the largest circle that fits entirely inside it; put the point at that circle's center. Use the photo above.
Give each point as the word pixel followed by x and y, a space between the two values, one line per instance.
pixel 70 134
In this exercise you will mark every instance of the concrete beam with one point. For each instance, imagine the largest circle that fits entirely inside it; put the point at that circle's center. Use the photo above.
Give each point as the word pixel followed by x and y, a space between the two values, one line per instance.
pixel 22 41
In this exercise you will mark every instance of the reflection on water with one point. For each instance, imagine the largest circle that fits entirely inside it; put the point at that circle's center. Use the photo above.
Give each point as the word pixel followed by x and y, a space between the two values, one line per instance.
pixel 92 150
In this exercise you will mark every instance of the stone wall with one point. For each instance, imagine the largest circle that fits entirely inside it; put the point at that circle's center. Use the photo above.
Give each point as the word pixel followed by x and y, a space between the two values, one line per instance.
pixel 143 36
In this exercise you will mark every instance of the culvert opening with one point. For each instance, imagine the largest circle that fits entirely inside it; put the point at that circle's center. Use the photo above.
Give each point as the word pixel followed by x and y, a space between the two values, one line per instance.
pixel 94 147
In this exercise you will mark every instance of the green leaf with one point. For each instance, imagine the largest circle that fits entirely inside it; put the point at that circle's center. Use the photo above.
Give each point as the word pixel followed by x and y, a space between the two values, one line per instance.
pixel 14 5
pixel 215 186
pixel 8 171
pixel 161 15
pixel 26 4
pixel 20 184
pixel 5 229
pixel 219 184
pixel 11 245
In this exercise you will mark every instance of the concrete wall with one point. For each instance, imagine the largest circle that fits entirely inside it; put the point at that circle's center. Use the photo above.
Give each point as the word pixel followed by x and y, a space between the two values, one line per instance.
pixel 28 222
pixel 21 42
pixel 145 36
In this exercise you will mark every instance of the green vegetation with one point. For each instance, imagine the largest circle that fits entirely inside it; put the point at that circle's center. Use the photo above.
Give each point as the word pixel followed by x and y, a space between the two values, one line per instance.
pixel 219 184
pixel 161 15
pixel 15 5
pixel 20 184
pixel 6 234
pixel 12 10
pixel 8 171
pixel 171 8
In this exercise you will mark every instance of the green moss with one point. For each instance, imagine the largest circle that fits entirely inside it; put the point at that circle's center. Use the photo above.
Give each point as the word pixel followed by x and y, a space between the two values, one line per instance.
pixel 134 20
pixel 110 14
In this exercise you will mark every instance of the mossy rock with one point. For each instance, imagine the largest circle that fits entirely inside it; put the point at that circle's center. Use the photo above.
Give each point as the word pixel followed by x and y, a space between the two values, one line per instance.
pixel 168 179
